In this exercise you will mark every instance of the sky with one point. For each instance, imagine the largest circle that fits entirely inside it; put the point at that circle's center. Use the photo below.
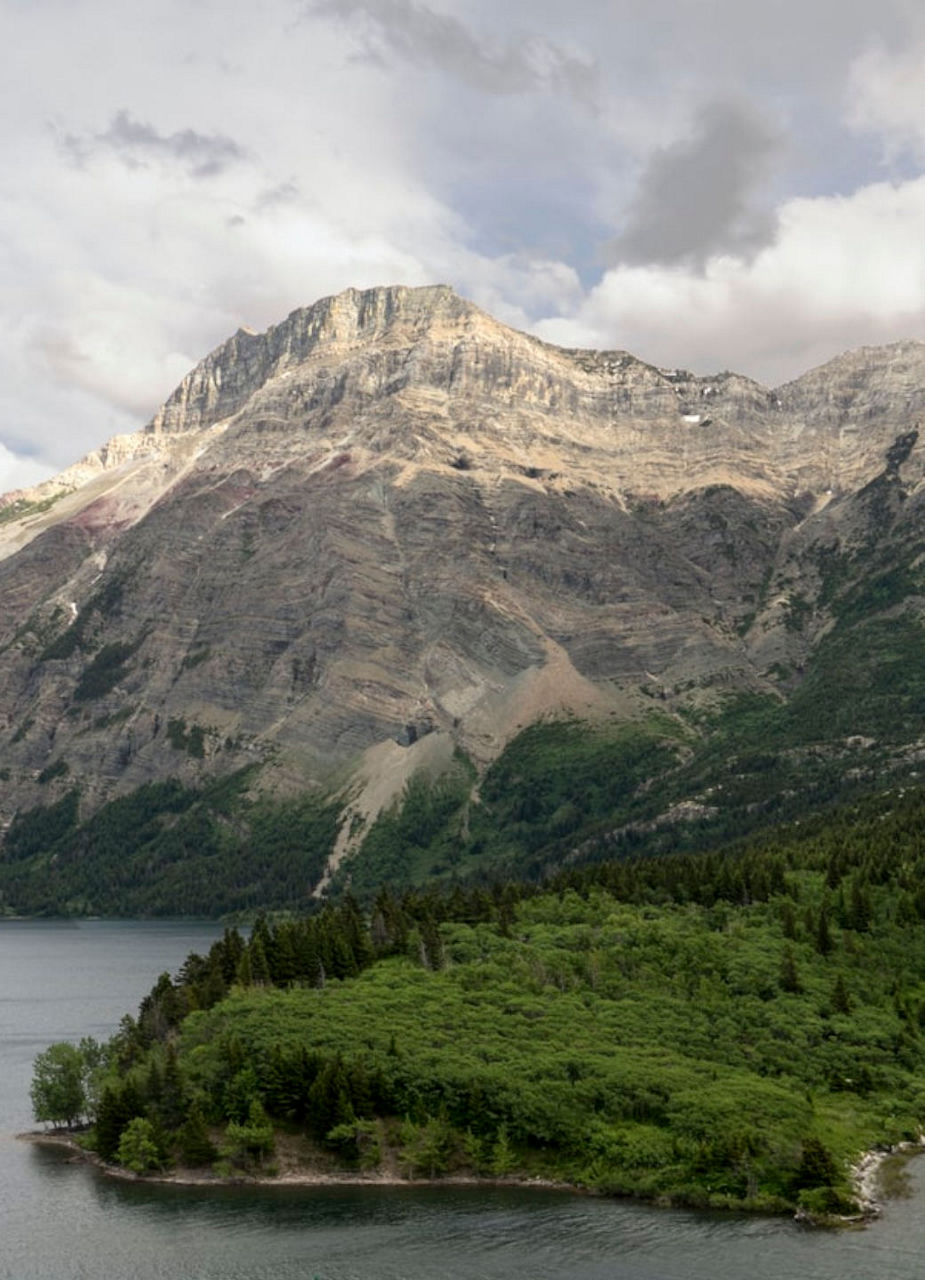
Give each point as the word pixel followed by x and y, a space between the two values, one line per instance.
pixel 709 184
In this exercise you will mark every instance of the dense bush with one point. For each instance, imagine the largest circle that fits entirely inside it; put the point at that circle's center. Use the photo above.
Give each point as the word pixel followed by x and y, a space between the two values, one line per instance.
pixel 727 1029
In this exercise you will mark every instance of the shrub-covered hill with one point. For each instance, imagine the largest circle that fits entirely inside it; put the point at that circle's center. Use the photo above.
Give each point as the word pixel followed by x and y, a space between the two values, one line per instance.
pixel 711 1029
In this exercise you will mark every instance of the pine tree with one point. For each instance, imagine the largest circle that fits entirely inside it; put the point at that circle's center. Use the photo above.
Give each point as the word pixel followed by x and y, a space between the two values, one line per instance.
pixel 244 974
pixel 260 969
pixel 824 942
pixel 228 953
pixel 119 1104
pixel 195 1145
pixel 173 1099
pixel 841 1001
pixel 281 958
pixel 431 948
pixel 789 976
pixel 329 1099
pixel 788 920
pixel 860 909
pixel 817 1166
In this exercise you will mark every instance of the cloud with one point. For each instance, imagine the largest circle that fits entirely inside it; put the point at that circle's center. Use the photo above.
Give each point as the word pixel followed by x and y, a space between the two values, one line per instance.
pixel 231 169
pixel 886 96
pixel 843 272
pixel 20 472
pixel 426 38
pixel 694 198
pixel 135 143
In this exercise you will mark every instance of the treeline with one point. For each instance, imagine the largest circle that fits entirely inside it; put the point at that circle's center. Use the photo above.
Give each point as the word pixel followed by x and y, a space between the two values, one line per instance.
pixel 715 1029
pixel 564 792
pixel 561 793
pixel 168 849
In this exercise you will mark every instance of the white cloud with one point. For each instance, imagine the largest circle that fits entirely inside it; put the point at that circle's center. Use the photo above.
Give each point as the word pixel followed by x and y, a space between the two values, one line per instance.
pixel 173 170
pixel 886 95
pixel 20 473
pixel 843 272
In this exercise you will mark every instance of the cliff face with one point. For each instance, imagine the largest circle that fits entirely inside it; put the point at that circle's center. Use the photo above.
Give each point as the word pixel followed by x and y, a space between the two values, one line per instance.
pixel 390 525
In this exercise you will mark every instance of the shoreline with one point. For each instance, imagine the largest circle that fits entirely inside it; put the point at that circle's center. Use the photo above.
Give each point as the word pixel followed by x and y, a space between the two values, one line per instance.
pixel 866 1174
pixel 291 1178
pixel 866 1177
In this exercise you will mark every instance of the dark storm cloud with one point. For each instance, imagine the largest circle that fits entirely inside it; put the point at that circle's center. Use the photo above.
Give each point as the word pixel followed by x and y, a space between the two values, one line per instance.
pixel 135 142
pixel 440 40
pixel 694 198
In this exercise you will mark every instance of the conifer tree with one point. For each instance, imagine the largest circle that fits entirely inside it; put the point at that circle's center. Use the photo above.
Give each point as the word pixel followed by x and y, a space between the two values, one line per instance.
pixel 824 942
pixel 789 976
pixel 172 1107
pixel 841 1001
pixel 860 909
pixel 195 1145
pixel 260 969
pixel 244 975
pixel 788 920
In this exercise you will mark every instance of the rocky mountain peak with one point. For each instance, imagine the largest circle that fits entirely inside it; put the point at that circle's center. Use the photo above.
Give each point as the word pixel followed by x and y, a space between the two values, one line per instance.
pixel 390 525
pixel 332 327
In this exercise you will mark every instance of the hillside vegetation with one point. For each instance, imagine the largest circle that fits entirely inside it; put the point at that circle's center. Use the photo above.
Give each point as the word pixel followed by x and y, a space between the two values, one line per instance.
pixel 562 791
pixel 167 849
pixel 715 1029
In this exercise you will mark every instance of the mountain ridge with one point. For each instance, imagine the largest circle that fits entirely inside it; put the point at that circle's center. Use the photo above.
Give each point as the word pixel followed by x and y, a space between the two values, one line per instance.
pixel 199 394
pixel 391 528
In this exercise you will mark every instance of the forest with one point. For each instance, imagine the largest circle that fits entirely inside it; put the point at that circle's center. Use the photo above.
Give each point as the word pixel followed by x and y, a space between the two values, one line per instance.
pixel 729 1028
pixel 562 791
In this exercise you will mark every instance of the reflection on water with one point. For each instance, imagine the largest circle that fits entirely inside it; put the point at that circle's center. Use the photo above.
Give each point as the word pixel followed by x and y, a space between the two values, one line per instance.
pixel 61 1220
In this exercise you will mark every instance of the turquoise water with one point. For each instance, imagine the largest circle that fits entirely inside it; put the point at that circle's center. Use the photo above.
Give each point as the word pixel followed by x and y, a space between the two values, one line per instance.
pixel 59 1220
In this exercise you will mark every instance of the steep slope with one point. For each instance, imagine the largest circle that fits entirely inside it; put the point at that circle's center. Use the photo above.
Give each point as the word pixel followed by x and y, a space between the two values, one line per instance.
pixel 391 527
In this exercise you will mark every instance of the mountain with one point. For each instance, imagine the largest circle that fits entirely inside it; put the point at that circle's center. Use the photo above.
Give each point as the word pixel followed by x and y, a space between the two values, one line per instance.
pixel 377 543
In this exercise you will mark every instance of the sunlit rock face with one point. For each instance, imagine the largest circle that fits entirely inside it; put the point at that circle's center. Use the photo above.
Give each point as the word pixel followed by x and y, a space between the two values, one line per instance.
pixel 390 525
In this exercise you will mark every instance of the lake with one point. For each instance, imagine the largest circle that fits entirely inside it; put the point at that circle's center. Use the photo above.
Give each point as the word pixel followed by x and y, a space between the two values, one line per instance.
pixel 59 1221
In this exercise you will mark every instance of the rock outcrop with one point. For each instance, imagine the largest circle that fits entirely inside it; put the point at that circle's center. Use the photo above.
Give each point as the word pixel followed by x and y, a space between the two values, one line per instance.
pixel 391 524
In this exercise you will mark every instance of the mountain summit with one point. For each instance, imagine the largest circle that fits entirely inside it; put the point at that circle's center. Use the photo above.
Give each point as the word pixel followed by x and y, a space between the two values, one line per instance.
pixel 391 528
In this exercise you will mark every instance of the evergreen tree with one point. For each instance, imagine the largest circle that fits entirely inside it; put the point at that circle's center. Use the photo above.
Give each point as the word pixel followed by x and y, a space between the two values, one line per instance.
pixel 119 1104
pixel 817 1166
pixel 244 976
pixel 788 920
pixel 240 1091
pixel 195 1146
pixel 260 968
pixel 860 908
pixel 281 958
pixel 228 952
pixel 824 942
pixel 789 978
pixel 173 1103
pixel 841 1001
pixel 431 945
pixel 329 1099
pixel 251 1139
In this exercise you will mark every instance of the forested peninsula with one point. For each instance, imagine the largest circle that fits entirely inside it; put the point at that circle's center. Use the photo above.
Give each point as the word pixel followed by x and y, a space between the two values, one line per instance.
pixel 726 1029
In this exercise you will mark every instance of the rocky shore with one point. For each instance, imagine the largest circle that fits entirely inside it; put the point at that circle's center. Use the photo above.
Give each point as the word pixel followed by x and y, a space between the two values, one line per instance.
pixel 866 1176
pixel 288 1176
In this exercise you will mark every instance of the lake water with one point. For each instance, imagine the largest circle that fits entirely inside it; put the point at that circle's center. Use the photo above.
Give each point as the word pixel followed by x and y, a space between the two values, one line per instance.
pixel 60 1221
